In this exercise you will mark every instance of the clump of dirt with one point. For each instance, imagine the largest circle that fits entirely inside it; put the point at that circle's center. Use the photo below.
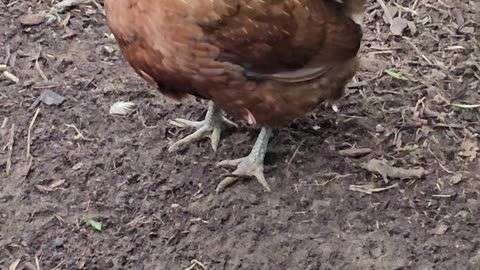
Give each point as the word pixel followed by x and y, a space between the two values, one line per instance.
pixel 74 162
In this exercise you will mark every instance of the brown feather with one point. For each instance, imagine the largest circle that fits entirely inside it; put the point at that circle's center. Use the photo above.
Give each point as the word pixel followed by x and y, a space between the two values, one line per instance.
pixel 273 60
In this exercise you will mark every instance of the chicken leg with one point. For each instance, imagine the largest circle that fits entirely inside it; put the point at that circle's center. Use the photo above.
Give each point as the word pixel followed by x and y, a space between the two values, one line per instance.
pixel 251 165
pixel 210 127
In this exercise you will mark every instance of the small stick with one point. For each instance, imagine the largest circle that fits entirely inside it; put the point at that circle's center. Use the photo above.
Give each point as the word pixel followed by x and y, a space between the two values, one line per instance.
pixel 418 51
pixel 91 80
pixel 386 10
pixel 29 136
pixel 40 71
pixel 294 154
pixel 10 143
pixel 37 263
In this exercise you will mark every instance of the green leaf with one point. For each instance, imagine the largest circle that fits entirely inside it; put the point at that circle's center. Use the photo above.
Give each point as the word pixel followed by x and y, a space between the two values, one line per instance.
pixel 396 75
pixel 109 49
pixel 466 106
pixel 108 35
pixel 96 225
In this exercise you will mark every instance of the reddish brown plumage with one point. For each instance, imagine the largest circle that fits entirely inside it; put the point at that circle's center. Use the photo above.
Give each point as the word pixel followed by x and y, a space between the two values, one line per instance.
pixel 264 60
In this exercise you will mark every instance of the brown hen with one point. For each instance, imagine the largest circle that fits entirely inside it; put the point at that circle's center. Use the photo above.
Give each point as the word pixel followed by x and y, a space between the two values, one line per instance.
pixel 265 61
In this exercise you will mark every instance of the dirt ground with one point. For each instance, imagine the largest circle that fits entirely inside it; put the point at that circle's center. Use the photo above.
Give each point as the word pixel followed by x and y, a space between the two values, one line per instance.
pixel 158 210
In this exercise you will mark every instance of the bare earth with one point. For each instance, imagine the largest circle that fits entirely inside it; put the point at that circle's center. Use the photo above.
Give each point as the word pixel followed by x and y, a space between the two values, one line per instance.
pixel 158 210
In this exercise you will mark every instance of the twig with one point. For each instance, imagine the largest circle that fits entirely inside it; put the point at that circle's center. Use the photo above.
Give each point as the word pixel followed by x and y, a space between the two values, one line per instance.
pixel 294 154
pixel 10 143
pixel 367 189
pixel 91 80
pixel 438 161
pixel 4 123
pixel 29 136
pixel 79 134
pixel 386 10
pixel 37 263
pixel 37 65
pixel 418 51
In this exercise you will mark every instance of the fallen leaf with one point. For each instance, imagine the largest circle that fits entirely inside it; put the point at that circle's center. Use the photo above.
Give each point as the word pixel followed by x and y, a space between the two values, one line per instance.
pixel 108 49
pixel 457 178
pixel 469 149
pixel 395 75
pixel 440 229
pixel 398 25
pixel 94 224
pixel 49 97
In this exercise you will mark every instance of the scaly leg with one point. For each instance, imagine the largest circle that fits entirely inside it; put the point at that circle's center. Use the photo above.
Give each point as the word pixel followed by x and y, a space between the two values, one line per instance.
pixel 251 165
pixel 210 127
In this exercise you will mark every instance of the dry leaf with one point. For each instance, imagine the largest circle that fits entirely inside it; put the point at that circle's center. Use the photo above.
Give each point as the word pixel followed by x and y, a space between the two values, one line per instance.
pixel 457 178
pixel 398 25
pixel 469 149
pixel 440 229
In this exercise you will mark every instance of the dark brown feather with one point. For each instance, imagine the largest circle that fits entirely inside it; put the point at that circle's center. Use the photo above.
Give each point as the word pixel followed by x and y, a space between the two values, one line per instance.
pixel 270 60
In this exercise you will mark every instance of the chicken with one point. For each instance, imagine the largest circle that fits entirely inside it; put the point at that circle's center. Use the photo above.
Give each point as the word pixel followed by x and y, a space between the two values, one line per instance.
pixel 263 61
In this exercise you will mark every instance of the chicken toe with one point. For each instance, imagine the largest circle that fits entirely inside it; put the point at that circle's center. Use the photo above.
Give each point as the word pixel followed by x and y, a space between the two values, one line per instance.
pixel 251 165
pixel 210 127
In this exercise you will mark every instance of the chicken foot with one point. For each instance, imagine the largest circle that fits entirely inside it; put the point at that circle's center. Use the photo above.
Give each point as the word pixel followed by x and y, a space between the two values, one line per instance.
pixel 210 127
pixel 251 165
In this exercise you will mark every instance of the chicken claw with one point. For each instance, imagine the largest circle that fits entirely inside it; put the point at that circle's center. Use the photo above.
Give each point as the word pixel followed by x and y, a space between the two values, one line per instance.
pixel 210 127
pixel 251 165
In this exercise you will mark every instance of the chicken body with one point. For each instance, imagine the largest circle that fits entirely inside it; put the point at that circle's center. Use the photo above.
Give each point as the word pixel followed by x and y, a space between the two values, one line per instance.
pixel 264 61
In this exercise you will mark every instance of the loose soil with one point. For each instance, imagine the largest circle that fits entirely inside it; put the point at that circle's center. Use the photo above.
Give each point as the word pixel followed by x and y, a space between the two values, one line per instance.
pixel 158 210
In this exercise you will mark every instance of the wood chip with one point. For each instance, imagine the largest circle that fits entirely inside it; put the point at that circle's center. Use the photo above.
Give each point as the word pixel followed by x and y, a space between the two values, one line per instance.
pixel 77 166
pixel 31 19
pixel 355 152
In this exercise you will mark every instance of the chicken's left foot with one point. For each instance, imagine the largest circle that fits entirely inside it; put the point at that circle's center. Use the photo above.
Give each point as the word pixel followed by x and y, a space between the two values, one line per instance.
pixel 251 165
pixel 210 127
